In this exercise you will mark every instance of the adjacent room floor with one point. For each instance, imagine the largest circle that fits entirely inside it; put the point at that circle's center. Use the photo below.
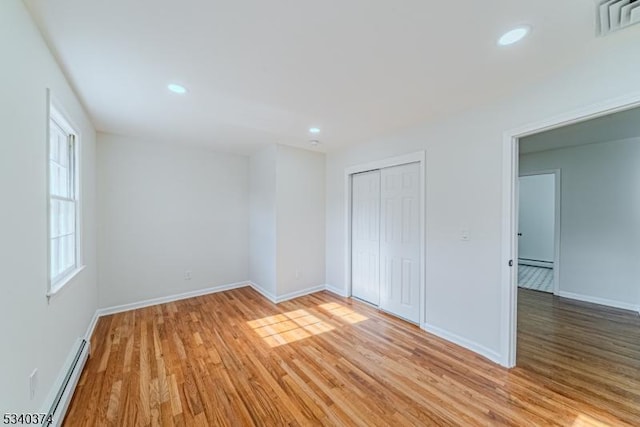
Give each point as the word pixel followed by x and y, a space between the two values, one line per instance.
pixel 536 278
pixel 587 351
pixel 236 358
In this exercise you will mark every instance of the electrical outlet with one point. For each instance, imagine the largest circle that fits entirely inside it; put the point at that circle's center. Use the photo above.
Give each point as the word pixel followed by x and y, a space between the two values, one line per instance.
pixel 187 275
pixel 33 383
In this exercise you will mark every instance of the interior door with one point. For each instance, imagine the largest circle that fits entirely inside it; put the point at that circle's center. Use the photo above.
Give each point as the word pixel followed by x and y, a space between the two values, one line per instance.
pixel 365 241
pixel 536 222
pixel 400 241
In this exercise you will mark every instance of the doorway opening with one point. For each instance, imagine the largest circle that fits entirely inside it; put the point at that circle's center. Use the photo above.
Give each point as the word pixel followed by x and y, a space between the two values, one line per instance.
pixel 584 336
pixel 539 199
pixel 511 151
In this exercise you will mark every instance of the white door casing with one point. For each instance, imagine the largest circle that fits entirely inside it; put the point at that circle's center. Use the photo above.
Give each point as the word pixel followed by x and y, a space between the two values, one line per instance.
pixel 365 244
pixel 400 241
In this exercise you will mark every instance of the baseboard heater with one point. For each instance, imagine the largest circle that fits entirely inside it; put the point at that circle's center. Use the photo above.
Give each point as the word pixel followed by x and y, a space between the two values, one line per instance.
pixel 535 262
pixel 61 401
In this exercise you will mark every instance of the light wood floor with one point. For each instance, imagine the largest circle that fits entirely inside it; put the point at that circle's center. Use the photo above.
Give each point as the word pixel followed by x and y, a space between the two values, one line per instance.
pixel 588 352
pixel 233 358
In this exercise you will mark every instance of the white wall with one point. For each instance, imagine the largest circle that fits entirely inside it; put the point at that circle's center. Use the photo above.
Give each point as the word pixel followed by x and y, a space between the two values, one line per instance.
pixel 600 217
pixel 262 255
pixel 35 333
pixel 464 188
pixel 536 222
pixel 287 220
pixel 166 209
pixel 300 220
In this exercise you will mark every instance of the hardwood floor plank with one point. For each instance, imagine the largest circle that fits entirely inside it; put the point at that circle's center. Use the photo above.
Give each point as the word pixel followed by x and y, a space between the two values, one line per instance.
pixel 234 358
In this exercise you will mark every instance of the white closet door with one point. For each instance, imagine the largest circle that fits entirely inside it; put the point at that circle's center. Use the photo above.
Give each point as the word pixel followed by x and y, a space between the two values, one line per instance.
pixel 400 241
pixel 537 211
pixel 365 241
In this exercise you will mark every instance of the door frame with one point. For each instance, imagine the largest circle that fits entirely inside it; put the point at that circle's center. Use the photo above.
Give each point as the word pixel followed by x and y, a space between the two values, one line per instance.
pixel 415 157
pixel 510 174
pixel 557 214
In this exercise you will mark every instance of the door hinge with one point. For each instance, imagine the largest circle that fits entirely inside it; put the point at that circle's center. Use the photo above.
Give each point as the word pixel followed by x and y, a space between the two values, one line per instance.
pixel 510 263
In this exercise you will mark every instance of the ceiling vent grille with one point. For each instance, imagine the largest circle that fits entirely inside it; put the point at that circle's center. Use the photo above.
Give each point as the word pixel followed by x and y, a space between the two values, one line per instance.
pixel 614 15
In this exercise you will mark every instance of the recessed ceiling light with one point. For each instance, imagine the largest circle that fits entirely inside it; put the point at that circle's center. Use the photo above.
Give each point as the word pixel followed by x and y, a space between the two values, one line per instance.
pixel 513 36
pixel 176 88
pixel 314 130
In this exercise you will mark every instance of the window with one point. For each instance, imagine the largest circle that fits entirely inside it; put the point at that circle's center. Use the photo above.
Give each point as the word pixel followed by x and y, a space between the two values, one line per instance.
pixel 64 209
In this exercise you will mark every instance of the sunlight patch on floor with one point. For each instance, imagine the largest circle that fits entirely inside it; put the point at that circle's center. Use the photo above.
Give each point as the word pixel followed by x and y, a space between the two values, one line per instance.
pixel 344 313
pixel 583 420
pixel 288 327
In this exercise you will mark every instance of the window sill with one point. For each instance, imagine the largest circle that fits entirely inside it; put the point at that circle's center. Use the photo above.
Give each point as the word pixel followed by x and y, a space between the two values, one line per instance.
pixel 61 284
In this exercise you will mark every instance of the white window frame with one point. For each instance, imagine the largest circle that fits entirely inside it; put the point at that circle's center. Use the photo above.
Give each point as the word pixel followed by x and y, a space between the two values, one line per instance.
pixel 57 114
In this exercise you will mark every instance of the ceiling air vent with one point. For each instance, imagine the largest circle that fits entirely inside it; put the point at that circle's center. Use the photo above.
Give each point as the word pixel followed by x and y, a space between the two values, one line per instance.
pixel 615 15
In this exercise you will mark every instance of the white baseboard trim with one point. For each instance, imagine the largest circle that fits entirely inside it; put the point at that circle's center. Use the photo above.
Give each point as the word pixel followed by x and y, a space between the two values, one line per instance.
pixel 92 327
pixel 601 301
pixel 176 297
pixel 286 297
pixel 464 342
pixel 338 291
pixel 303 292
pixel 262 291
pixel 169 298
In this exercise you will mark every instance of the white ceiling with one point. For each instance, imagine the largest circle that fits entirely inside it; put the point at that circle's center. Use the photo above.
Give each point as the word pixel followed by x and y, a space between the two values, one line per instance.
pixel 612 127
pixel 265 71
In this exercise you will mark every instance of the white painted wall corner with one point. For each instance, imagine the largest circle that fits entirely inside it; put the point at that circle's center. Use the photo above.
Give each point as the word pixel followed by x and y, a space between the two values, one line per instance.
pixel 262 291
pixel 338 291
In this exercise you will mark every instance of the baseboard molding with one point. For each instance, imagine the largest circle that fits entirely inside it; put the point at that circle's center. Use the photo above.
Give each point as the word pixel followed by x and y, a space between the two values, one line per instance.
pixel 297 294
pixel 601 301
pixel 464 342
pixel 337 291
pixel 169 298
pixel 176 297
pixel 286 297
pixel 262 291
pixel 92 327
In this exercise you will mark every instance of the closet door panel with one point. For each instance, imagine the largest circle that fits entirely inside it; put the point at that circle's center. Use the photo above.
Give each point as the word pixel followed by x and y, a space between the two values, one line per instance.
pixel 365 240
pixel 400 241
